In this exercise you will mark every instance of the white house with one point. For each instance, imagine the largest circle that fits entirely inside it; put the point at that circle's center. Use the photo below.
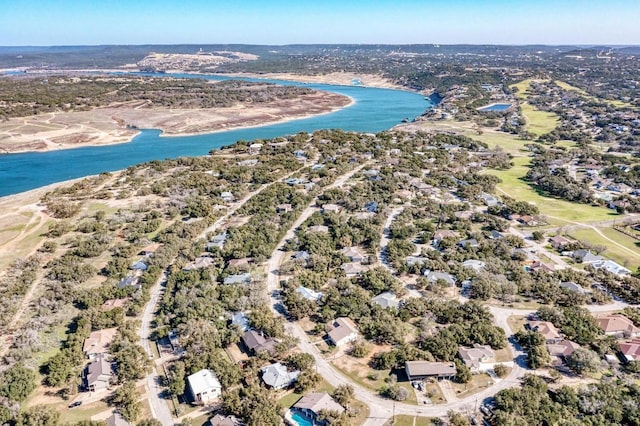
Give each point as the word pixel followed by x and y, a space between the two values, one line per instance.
pixel 278 377
pixel 386 300
pixel 204 386
pixel 309 294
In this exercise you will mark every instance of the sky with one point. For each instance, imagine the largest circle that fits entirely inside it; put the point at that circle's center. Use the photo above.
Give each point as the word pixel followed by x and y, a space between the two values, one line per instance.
pixel 91 22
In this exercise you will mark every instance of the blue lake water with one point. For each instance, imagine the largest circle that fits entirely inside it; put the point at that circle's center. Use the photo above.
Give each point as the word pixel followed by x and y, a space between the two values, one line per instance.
pixel 374 110
pixel 496 107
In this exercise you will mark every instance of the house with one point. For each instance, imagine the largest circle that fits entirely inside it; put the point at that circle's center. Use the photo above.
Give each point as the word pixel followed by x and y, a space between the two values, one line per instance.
pixel 352 269
pixel 441 234
pixel 420 370
pixel 98 342
pixel 243 263
pixel 331 208
pixel 617 325
pixel 342 331
pixel 112 304
pixel 495 235
pixel 529 220
pixel 309 294
pixel 237 279
pixel 220 420
pixel 547 329
pixel 479 358
pixel 277 376
pixel 318 228
pixel 585 256
pixel 255 342
pixel 283 208
pixel 415 260
pixel 129 282
pixel 227 196
pixel 204 386
pixel 353 254
pixel 371 206
pixel 301 256
pixel 217 241
pixel 476 265
pixel 489 200
pixel 433 277
pixel 576 288
pixel 240 320
pixel 139 266
pixel 630 350
pixel 255 148
pixel 559 242
pixel 561 350
pixel 99 374
pixel 311 405
pixel 386 300
pixel 117 420
pixel 611 267
pixel 201 262
pixel 470 243
pixel 248 163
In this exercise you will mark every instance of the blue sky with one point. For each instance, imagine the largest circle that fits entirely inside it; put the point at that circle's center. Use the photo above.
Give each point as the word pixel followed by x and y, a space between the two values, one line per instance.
pixel 64 22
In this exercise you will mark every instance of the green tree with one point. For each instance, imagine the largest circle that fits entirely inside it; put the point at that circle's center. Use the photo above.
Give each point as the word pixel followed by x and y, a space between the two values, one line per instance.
pixel 39 415
pixel 17 382
pixel 125 398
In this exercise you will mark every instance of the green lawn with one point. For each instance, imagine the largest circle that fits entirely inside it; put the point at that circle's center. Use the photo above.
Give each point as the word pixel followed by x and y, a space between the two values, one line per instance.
pixel 360 377
pixel 539 122
pixel 613 251
pixel 403 420
pixel 561 210
pixel 523 87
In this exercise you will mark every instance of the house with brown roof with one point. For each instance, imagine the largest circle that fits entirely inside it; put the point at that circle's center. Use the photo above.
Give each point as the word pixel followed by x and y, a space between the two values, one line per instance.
pixel 352 269
pixel 353 254
pixel 202 262
pixel 342 331
pixel 561 350
pixel 255 342
pixel 631 350
pixel 98 342
pixel 117 420
pixel 559 242
pixel 441 234
pixel 112 304
pixel 617 325
pixel 479 358
pixel 312 404
pixel 420 370
pixel 547 329
pixel 331 208
pixel 243 263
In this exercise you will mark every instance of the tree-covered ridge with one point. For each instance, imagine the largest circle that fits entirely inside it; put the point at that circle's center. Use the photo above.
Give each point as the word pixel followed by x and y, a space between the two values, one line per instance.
pixel 25 96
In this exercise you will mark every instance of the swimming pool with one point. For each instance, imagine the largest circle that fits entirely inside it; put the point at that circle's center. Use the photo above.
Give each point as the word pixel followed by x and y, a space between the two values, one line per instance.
pixel 301 420
pixel 495 107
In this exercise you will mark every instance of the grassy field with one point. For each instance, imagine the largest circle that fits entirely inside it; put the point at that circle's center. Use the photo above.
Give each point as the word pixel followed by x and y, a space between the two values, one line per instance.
pixel 557 210
pixel 522 87
pixel 539 122
pixel 360 377
pixel 613 251
pixel 403 420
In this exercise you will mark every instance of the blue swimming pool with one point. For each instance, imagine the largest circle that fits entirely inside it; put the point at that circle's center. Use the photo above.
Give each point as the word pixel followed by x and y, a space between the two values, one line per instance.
pixel 301 420
pixel 495 107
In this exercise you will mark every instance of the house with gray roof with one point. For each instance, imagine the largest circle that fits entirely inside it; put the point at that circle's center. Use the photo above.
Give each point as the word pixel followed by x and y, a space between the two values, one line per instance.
pixel 99 374
pixel 237 279
pixel 311 405
pixel 585 256
pixel 433 276
pixel 476 265
pixel 277 376
pixel 386 300
pixel 309 294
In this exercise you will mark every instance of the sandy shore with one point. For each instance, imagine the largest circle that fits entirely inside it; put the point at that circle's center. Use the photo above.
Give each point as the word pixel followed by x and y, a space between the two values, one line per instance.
pixel 119 123
pixel 338 78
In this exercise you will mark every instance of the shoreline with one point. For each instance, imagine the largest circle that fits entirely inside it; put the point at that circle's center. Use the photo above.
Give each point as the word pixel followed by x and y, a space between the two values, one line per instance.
pixel 114 139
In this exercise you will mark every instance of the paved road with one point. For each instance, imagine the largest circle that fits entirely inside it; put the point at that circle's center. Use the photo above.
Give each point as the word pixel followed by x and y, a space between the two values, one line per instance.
pixel 384 240
pixel 380 409
pixel 159 408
